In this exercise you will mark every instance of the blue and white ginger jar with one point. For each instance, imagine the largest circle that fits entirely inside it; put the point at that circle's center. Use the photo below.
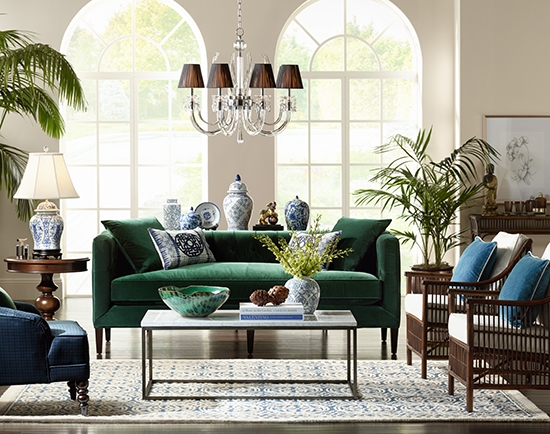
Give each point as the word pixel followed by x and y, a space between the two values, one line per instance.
pixel 171 213
pixel 297 214
pixel 190 220
pixel 237 206
pixel 46 227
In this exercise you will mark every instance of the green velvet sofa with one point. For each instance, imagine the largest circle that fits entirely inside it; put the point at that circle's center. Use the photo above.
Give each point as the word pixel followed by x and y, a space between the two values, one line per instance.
pixel 127 272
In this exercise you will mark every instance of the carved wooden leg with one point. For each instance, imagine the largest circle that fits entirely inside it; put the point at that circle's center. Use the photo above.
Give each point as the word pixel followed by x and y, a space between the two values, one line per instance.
pixel 82 397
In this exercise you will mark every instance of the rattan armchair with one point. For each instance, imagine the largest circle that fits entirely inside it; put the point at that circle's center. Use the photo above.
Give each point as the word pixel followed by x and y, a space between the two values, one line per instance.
pixel 486 352
pixel 427 312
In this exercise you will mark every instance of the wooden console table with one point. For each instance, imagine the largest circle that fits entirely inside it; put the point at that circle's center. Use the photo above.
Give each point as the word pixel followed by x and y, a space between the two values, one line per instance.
pixel 47 303
pixel 525 224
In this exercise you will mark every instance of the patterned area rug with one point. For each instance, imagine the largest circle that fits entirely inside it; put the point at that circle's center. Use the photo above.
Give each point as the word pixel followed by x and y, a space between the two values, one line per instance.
pixel 391 391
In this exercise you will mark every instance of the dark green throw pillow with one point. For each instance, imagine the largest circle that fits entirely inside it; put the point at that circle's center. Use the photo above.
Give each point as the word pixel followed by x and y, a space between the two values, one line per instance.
pixel 133 238
pixel 5 300
pixel 359 235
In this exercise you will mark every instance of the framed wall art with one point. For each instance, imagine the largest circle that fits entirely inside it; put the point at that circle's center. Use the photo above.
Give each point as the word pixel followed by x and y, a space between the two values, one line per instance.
pixel 524 145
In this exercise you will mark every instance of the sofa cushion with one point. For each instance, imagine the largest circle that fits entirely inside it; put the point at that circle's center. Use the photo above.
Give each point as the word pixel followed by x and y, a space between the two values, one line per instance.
pixel 357 234
pixel 6 300
pixel 342 288
pixel 528 280
pixel 179 248
pixel 134 241
pixel 476 262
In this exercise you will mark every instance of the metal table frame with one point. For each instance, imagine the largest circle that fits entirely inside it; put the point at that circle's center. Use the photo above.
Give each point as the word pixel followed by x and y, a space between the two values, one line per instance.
pixel 232 322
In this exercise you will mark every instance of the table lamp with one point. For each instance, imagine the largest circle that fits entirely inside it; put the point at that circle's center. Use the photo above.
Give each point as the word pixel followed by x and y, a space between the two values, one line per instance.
pixel 46 177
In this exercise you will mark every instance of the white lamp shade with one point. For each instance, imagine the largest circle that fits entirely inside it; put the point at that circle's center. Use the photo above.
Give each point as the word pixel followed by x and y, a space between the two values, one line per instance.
pixel 46 177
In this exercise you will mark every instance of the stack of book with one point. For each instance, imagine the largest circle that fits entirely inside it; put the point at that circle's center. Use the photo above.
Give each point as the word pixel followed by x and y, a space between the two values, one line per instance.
pixel 270 312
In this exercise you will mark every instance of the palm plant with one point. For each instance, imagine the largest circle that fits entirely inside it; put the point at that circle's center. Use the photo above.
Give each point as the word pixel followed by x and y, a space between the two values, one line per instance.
pixel 32 77
pixel 429 194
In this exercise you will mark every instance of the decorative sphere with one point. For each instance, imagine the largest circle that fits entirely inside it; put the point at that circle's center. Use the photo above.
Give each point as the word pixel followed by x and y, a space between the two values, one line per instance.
pixel 194 301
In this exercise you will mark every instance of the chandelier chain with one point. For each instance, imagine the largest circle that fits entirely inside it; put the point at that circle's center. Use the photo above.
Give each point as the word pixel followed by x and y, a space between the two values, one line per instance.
pixel 240 30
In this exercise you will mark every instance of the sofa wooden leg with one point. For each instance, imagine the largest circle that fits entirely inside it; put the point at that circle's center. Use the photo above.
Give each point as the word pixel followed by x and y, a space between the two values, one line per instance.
pixel 72 390
pixel 384 334
pixel 107 335
pixel 250 342
pixel 98 340
pixel 82 397
pixel 394 340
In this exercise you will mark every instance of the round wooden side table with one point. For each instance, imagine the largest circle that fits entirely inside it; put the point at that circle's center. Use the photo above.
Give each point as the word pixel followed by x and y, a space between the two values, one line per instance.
pixel 47 303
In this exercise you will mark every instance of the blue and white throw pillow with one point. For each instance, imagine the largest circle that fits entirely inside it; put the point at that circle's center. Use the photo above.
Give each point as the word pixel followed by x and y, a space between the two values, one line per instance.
pixel 299 240
pixel 528 280
pixel 179 248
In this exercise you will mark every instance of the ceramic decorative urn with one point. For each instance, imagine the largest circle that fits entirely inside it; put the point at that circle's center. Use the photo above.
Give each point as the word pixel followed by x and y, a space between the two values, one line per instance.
pixel 297 214
pixel 171 213
pixel 237 206
pixel 190 220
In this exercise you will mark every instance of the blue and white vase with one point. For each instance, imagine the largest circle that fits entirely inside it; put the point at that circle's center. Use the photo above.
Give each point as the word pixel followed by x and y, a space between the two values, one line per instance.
pixel 171 213
pixel 305 291
pixel 190 220
pixel 46 227
pixel 297 214
pixel 237 206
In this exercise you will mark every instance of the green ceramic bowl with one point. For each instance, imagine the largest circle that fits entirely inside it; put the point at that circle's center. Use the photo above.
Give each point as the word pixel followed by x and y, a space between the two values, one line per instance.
pixel 195 301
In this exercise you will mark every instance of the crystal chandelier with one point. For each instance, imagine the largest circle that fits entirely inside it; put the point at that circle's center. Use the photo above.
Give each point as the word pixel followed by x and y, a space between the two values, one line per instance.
pixel 238 109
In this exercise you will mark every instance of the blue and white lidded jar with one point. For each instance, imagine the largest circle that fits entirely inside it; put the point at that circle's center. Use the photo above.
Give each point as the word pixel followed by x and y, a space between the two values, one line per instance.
pixel 297 214
pixel 171 213
pixel 190 220
pixel 237 206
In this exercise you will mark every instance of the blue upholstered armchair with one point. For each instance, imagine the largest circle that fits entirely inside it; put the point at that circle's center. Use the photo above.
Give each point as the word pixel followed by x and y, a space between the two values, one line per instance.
pixel 35 351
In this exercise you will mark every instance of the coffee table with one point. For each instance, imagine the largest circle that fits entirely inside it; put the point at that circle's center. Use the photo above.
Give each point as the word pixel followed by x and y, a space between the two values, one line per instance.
pixel 156 320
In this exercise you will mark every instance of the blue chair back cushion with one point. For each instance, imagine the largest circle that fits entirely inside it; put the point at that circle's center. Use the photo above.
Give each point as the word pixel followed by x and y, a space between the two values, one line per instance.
pixel 528 280
pixel 476 262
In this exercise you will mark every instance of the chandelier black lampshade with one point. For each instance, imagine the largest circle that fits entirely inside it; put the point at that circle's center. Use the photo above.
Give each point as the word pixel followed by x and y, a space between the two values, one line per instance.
pixel 220 76
pixel 191 76
pixel 262 76
pixel 289 77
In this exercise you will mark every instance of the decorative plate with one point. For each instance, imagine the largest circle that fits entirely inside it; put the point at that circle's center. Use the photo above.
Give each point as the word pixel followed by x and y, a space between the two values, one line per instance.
pixel 210 215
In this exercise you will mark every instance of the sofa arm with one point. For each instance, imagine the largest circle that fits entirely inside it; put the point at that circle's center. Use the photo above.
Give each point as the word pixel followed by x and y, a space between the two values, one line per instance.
pixel 389 271
pixel 108 263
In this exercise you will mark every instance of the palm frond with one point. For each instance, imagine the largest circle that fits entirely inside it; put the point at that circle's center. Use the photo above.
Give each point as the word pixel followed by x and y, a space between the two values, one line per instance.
pixel 429 194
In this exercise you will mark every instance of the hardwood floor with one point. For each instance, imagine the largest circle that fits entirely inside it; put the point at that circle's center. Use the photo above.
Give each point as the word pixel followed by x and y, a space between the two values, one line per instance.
pixel 126 344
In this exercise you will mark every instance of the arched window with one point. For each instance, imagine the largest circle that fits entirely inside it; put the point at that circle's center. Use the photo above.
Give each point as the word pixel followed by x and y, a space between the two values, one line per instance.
pixel 360 63
pixel 134 147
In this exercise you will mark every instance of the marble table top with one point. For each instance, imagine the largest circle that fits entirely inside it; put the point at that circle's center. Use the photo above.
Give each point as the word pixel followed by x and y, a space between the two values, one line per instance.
pixel 321 319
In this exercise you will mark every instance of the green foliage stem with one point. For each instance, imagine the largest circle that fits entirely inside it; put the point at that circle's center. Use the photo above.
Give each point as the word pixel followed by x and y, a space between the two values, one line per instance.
pixel 304 260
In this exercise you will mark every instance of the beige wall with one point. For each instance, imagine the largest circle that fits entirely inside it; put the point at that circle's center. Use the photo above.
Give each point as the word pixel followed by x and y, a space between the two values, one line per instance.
pixel 504 65
pixel 502 71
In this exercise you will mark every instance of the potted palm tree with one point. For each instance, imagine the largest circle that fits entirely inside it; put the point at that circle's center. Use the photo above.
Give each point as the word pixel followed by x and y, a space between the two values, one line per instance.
pixel 429 194
pixel 33 77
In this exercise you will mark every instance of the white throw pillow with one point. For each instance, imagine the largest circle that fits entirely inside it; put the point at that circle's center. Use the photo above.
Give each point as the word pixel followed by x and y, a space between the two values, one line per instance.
pixel 179 248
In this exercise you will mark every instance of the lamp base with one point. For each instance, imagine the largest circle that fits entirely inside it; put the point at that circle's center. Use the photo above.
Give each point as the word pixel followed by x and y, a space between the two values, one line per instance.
pixel 47 254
